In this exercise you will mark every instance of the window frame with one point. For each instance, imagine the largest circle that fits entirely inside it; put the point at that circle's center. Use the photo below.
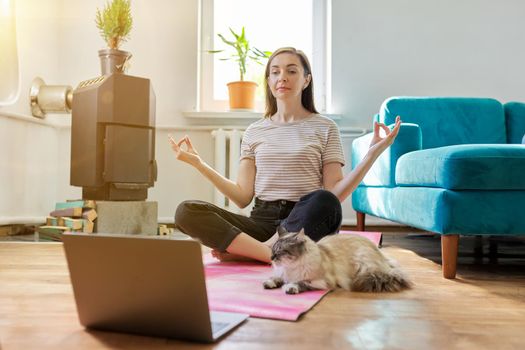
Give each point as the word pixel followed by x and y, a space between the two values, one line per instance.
pixel 321 40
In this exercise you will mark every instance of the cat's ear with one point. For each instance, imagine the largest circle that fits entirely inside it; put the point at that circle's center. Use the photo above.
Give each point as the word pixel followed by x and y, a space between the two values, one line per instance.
pixel 301 233
pixel 281 231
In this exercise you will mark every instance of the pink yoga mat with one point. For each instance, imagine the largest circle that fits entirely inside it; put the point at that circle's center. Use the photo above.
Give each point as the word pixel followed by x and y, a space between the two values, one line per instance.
pixel 237 287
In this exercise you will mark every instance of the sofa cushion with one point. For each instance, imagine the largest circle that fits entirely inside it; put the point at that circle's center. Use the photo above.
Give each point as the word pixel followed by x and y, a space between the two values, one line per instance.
pixel 445 211
pixel 448 121
pixel 464 167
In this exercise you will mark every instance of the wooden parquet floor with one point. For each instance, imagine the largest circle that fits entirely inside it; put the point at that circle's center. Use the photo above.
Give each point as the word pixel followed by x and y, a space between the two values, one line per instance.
pixel 484 308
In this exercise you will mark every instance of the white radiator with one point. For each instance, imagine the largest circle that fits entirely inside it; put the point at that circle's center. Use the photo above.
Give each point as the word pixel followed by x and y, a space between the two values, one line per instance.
pixel 227 154
pixel 348 135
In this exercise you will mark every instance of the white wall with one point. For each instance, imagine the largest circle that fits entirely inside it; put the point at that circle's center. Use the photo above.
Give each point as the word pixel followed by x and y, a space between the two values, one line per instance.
pixel 385 48
pixel 28 150
pixel 163 43
pixel 380 48
pixel 38 45
pixel 28 160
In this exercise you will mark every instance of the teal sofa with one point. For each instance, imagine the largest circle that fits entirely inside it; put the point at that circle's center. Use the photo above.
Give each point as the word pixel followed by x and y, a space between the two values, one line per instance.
pixel 456 168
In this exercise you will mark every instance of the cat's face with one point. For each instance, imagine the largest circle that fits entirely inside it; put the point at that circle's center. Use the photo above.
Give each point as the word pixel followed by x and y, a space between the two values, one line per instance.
pixel 289 247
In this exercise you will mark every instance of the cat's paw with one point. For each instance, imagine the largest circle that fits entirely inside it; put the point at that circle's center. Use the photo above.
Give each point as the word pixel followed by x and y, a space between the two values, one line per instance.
pixel 291 288
pixel 272 283
pixel 269 284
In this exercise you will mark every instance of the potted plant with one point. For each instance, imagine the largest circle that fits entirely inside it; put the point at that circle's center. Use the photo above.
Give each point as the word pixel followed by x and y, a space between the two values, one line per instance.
pixel 242 92
pixel 114 23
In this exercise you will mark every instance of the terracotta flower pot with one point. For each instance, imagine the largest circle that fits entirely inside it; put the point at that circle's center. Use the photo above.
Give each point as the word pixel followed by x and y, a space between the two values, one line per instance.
pixel 113 61
pixel 242 95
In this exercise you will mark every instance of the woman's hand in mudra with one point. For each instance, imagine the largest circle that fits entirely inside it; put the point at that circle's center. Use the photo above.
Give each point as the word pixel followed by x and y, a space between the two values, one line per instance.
pixel 378 144
pixel 188 155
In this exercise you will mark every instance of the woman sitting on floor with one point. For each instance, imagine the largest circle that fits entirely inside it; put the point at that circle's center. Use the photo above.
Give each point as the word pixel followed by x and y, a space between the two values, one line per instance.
pixel 291 161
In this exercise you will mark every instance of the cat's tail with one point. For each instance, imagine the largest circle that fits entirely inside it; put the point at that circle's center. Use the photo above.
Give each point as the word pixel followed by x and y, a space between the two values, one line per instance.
pixel 387 280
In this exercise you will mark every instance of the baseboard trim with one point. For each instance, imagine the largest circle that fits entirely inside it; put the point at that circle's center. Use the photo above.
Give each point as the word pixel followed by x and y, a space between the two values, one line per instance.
pixel 12 220
pixel 370 221
pixel 23 220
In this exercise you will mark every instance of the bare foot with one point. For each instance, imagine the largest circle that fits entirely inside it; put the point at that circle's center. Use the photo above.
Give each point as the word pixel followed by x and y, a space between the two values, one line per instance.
pixel 225 256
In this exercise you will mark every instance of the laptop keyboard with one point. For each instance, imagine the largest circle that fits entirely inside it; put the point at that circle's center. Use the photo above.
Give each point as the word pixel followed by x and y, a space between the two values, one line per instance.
pixel 217 326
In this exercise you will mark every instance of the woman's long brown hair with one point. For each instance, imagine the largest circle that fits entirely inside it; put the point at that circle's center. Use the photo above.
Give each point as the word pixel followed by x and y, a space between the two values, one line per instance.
pixel 307 96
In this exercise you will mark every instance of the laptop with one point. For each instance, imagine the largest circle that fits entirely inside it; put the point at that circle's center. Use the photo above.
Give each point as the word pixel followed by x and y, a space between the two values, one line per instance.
pixel 148 285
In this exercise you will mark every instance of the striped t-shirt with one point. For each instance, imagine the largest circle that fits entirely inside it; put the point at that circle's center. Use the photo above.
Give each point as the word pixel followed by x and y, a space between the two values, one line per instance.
pixel 289 157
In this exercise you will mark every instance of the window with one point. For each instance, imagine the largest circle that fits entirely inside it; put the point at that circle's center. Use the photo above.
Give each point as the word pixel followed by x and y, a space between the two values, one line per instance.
pixel 10 81
pixel 269 24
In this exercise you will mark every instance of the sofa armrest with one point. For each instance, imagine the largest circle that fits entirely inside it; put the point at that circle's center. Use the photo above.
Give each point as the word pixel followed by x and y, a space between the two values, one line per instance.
pixel 515 122
pixel 383 172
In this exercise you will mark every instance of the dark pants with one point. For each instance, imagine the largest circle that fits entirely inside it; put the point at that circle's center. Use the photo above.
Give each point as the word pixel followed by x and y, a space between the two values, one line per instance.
pixel 318 212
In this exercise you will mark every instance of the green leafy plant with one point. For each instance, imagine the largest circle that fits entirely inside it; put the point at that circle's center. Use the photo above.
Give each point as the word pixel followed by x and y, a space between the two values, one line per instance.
pixel 114 22
pixel 242 51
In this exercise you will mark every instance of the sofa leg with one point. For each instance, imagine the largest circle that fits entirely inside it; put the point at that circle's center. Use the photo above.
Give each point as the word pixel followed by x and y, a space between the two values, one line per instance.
pixel 493 251
pixel 449 255
pixel 360 221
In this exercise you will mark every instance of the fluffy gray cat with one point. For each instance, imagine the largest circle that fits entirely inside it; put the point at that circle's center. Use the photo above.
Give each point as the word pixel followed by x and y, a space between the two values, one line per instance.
pixel 340 260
